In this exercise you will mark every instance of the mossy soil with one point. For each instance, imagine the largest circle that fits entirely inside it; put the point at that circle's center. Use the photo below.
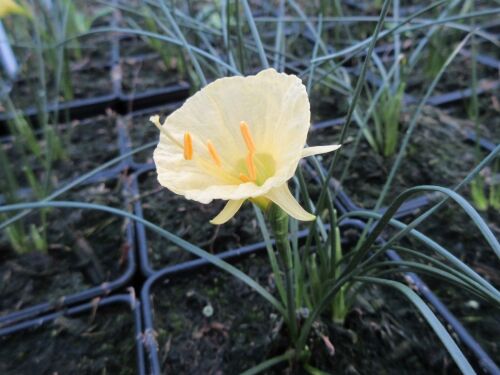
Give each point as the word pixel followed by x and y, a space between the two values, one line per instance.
pixel 85 249
pixel 382 335
pixel 94 342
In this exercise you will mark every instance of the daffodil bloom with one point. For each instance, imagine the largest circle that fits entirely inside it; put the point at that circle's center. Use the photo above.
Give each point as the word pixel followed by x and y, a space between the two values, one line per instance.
pixel 11 7
pixel 238 138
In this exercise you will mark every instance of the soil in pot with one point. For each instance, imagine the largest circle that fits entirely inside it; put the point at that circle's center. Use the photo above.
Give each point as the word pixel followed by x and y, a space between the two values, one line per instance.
pixel 85 249
pixel 94 342
pixel 190 220
pixel 89 77
pixel 143 68
pixel 453 229
pixel 85 145
pixel 383 334
pixel 437 154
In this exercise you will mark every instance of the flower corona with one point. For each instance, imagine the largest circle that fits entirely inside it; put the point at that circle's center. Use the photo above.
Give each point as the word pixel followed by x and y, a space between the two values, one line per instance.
pixel 238 138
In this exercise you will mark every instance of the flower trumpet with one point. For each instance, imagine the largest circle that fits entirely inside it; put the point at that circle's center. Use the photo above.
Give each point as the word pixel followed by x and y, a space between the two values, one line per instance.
pixel 238 138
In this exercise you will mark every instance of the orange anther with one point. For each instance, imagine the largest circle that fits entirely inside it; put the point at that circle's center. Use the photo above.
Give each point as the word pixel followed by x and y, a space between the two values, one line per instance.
pixel 245 132
pixel 213 153
pixel 188 146
pixel 244 178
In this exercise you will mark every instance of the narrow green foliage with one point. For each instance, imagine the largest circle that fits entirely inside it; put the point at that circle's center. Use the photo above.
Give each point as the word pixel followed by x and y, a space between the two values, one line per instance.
pixel 339 308
pixel 279 223
pixel 387 118
pixel 478 194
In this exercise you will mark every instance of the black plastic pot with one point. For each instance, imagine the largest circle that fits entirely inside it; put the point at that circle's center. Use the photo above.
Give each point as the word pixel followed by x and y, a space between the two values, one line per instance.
pixel 81 108
pixel 145 262
pixel 483 359
pixel 436 100
pixel 116 100
pixel 112 172
pixel 87 294
pixel 409 207
pixel 127 274
pixel 89 308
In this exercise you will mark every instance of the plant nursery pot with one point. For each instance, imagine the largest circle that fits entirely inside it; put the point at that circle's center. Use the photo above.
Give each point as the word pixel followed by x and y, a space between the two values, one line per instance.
pixel 90 253
pixel 89 76
pixel 98 337
pixel 440 153
pixel 189 220
pixel 85 145
pixel 206 321
pixel 431 157
pixel 143 68
pixel 88 73
pixel 480 318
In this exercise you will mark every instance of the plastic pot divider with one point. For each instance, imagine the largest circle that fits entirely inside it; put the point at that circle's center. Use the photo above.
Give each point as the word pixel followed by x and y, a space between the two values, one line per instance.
pixel 151 346
pixel 121 103
pixel 107 287
pixel 84 295
pixel 118 299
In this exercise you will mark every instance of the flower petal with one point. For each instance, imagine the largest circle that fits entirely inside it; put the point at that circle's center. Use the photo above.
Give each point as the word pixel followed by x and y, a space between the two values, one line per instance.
pixel 276 108
pixel 282 197
pixel 315 150
pixel 227 212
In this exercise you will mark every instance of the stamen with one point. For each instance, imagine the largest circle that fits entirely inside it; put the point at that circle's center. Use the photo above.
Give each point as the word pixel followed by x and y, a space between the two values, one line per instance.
pixel 244 178
pixel 245 132
pixel 156 121
pixel 213 153
pixel 188 146
pixel 251 167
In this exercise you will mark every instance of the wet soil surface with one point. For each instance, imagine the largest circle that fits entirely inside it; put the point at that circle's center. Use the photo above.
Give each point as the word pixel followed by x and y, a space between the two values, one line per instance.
pixel 383 334
pixel 85 249
pixel 91 343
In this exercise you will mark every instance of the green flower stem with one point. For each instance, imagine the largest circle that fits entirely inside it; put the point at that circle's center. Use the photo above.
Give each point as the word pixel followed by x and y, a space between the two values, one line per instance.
pixel 279 224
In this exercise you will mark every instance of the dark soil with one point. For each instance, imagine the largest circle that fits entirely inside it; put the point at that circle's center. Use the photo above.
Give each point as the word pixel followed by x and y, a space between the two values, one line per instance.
pixel 437 154
pixel 383 334
pixel 190 220
pixel 144 68
pixel 88 75
pixel 454 230
pixel 86 249
pixel 87 344
pixel 85 145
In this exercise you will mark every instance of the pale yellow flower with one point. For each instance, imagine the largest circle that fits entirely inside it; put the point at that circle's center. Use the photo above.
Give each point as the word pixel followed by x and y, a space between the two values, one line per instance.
pixel 238 138
pixel 10 7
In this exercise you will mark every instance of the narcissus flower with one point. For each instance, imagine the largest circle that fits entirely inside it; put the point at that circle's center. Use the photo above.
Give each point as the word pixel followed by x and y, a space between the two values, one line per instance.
pixel 11 7
pixel 238 138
